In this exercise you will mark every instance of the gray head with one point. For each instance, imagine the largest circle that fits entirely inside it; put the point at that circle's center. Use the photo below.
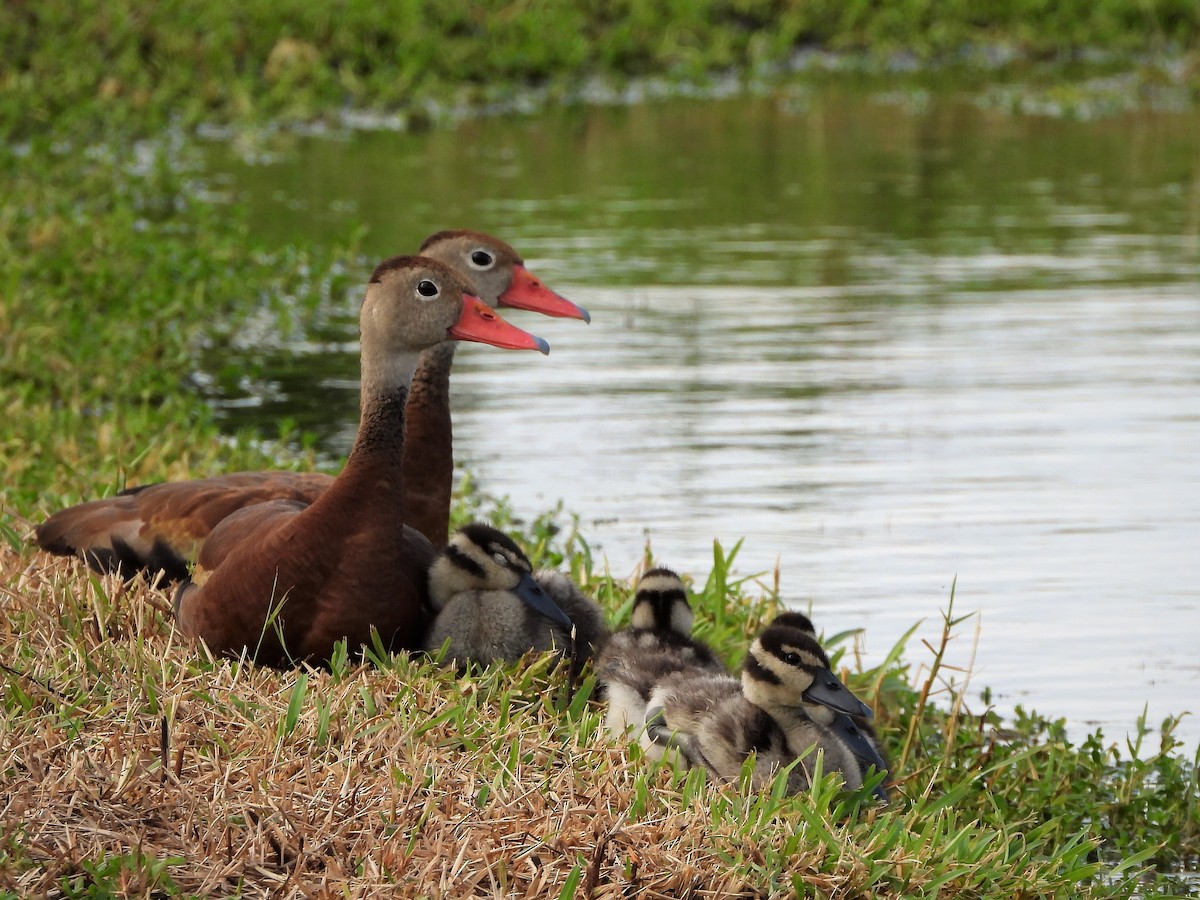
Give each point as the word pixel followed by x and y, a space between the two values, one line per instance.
pixel 661 603
pixel 498 273
pixel 413 303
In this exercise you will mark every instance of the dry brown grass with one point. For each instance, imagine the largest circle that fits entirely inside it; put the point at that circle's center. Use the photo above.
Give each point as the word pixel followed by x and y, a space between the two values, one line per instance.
pixel 132 764
pixel 121 740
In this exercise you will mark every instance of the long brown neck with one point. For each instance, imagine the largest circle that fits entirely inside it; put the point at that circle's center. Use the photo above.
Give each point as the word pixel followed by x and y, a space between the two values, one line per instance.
pixel 381 428
pixel 428 446
pixel 373 474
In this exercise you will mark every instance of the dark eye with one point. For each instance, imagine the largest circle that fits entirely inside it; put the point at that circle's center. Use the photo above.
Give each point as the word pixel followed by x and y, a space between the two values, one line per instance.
pixel 481 259
pixel 427 288
pixel 792 659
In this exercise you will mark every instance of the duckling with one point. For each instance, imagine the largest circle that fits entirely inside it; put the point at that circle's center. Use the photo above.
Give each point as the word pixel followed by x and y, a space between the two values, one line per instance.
pixel 854 729
pixel 491 606
pixel 657 643
pixel 718 724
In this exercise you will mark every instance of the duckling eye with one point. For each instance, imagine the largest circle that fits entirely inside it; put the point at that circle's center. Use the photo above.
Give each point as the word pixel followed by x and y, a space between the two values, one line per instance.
pixel 481 259
pixel 427 288
pixel 792 659
pixel 500 558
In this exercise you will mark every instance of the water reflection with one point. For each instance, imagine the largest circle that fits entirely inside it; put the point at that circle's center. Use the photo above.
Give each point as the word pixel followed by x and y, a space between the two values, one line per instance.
pixel 887 346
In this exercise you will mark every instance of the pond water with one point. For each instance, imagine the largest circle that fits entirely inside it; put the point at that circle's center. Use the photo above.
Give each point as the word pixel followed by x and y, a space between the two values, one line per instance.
pixel 889 339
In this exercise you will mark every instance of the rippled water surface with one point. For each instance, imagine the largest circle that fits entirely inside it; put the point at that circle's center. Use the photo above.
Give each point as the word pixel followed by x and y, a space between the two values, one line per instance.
pixel 890 340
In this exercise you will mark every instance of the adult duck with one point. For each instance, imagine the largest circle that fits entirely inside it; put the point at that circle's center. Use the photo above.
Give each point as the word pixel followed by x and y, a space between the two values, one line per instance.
pixel 162 527
pixel 283 581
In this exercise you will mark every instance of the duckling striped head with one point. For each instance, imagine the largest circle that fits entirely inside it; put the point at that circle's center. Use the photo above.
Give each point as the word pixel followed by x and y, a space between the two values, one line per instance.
pixel 478 558
pixel 661 603
pixel 798 620
pixel 786 667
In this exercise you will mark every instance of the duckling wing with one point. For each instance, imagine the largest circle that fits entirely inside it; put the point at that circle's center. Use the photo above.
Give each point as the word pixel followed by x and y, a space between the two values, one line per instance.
pixel 483 627
pixel 584 613
pixel 677 708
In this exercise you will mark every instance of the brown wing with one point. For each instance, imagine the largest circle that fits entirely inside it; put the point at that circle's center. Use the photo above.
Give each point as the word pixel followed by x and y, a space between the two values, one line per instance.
pixel 326 599
pixel 243 528
pixel 161 527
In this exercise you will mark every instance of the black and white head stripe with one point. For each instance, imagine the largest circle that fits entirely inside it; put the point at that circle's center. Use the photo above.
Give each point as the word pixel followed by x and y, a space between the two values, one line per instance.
pixel 792 661
pixel 661 602
pixel 797 620
pixel 783 653
pixel 756 670
pixel 493 542
pixel 462 560
pixel 793 646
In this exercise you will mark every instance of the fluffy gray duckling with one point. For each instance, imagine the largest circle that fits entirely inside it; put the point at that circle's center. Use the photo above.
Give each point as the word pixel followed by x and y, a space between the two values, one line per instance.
pixel 855 730
pixel 658 642
pixel 490 605
pixel 718 723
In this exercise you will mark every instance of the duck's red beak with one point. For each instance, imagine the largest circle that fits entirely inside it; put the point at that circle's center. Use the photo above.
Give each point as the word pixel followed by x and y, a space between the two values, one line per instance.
pixel 479 322
pixel 527 292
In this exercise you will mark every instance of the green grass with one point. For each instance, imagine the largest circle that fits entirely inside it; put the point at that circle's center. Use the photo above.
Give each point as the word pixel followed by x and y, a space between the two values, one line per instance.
pixel 134 67
pixel 113 270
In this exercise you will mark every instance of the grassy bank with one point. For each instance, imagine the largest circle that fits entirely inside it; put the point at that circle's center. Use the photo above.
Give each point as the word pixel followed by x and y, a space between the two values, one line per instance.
pixel 135 66
pixel 351 780
pixel 130 764
pixel 134 766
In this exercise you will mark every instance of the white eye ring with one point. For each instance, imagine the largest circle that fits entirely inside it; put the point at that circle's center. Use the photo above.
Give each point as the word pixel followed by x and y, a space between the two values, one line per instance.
pixel 427 290
pixel 481 259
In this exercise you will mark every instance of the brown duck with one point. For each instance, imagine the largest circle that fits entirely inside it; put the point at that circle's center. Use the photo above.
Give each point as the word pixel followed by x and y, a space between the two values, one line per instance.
pixel 161 527
pixel 283 580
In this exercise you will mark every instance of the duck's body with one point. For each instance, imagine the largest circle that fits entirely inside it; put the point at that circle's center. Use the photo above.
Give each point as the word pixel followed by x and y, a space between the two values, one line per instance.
pixel 491 607
pixel 284 581
pixel 162 527
pixel 657 643
pixel 719 724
